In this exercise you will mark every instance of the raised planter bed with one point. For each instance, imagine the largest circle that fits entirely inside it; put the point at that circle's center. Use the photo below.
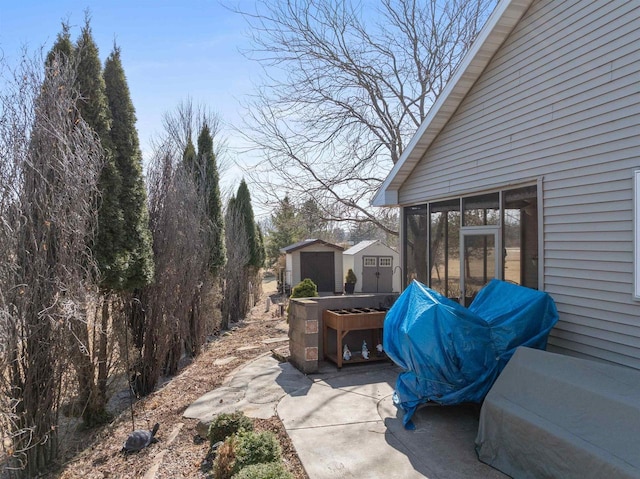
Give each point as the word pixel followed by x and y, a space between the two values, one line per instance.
pixel 306 328
pixel 345 321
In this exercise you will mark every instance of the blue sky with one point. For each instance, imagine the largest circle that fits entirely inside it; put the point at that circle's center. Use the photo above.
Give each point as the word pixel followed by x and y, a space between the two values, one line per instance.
pixel 171 50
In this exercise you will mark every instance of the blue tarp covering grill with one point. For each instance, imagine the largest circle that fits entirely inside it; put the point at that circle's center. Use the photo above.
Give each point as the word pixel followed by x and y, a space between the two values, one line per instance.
pixel 451 354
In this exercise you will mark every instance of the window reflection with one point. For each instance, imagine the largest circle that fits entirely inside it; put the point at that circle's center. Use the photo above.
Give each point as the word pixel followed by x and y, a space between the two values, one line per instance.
pixel 481 210
pixel 445 248
pixel 520 236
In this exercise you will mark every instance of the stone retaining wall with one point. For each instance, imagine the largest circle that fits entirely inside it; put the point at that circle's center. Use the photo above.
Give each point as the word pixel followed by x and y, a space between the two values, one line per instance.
pixel 305 323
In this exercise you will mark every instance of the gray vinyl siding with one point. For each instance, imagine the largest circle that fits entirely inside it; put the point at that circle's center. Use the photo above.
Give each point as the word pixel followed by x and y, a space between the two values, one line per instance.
pixel 560 101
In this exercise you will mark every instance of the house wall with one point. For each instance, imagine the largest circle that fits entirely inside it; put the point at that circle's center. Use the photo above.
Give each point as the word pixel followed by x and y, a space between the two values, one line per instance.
pixel 337 258
pixel 560 103
pixel 354 261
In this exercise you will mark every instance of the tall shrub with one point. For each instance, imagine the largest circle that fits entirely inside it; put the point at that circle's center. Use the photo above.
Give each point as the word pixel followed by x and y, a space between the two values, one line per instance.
pixel 132 198
pixel 208 181
pixel 92 360
pixel 48 192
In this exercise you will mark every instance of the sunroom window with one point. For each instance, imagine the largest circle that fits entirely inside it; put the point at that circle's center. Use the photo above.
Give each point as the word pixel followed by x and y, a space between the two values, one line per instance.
pixel 444 247
pixel 415 244
pixel 498 234
pixel 520 233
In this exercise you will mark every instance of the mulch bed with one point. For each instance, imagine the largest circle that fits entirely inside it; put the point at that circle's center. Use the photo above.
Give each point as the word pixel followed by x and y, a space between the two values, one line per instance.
pixel 185 456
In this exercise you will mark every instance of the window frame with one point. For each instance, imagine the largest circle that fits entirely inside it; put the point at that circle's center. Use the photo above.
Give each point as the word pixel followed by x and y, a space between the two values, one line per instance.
pixel 636 234
pixel 385 259
pixel 374 263
pixel 498 224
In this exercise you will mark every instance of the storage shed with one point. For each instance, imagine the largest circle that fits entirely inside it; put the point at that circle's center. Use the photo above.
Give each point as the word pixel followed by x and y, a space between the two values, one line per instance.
pixel 317 260
pixel 376 266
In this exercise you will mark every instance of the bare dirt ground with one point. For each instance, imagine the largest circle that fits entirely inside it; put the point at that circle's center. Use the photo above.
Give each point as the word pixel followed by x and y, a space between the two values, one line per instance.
pixel 180 452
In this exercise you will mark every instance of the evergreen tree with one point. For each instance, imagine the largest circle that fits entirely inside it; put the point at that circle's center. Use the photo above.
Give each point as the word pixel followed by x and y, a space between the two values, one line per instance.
pixel 209 185
pixel 262 254
pixel 93 104
pixel 311 220
pixel 94 109
pixel 243 204
pixel 245 256
pixel 364 232
pixel 62 48
pixel 235 298
pixel 285 229
pixel 132 199
pixel 91 360
pixel 189 156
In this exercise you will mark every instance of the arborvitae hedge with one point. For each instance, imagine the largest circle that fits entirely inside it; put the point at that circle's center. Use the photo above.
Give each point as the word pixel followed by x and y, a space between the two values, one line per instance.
pixel 136 240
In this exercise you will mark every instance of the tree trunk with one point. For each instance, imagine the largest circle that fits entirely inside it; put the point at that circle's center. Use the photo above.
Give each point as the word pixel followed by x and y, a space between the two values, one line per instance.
pixel 102 352
pixel 92 380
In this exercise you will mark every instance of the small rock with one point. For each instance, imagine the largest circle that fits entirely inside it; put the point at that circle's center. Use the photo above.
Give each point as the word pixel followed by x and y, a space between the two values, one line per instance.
pixel 203 428
pixel 280 354
pixel 223 361
pixel 215 446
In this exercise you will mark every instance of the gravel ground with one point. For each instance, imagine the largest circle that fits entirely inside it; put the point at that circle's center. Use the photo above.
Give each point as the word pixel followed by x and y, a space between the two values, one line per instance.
pixel 180 453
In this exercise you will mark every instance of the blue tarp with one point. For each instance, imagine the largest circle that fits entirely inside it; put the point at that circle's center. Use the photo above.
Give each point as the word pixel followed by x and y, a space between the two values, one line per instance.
pixel 451 354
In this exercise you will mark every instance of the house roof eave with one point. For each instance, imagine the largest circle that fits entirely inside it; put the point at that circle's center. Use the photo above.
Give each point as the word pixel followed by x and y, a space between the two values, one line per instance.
pixel 498 27
pixel 385 197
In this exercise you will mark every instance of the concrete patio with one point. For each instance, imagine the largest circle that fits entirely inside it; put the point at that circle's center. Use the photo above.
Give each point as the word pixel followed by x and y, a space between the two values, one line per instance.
pixel 343 422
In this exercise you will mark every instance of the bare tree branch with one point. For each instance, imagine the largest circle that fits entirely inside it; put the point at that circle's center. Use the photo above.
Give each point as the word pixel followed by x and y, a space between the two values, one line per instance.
pixel 345 87
pixel 185 122
pixel 50 162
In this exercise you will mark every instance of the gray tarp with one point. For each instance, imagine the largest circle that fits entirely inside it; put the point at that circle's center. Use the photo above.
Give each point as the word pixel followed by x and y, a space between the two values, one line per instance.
pixel 555 416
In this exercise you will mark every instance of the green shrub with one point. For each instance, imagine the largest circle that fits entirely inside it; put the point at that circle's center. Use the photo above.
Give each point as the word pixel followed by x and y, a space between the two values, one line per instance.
pixel 224 425
pixel 269 470
pixel 305 289
pixel 255 448
pixel 351 277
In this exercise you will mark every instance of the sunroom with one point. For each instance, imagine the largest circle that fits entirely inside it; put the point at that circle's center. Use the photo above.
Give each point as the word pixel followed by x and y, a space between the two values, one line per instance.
pixel 457 245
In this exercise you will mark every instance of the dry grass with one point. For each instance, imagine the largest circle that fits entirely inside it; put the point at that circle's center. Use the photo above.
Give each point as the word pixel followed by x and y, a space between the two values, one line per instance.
pixel 180 453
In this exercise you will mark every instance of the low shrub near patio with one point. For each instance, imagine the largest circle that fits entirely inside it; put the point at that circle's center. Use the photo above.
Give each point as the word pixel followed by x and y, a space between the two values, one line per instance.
pixel 256 448
pixel 226 424
pixel 243 449
pixel 270 470
pixel 304 289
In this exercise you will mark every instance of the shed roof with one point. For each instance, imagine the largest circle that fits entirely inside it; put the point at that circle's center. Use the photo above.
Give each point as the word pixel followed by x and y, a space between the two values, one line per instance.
pixel 498 27
pixel 357 248
pixel 308 242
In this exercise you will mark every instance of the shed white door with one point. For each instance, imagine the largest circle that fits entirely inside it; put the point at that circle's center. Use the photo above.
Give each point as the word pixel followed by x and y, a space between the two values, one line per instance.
pixel 377 274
